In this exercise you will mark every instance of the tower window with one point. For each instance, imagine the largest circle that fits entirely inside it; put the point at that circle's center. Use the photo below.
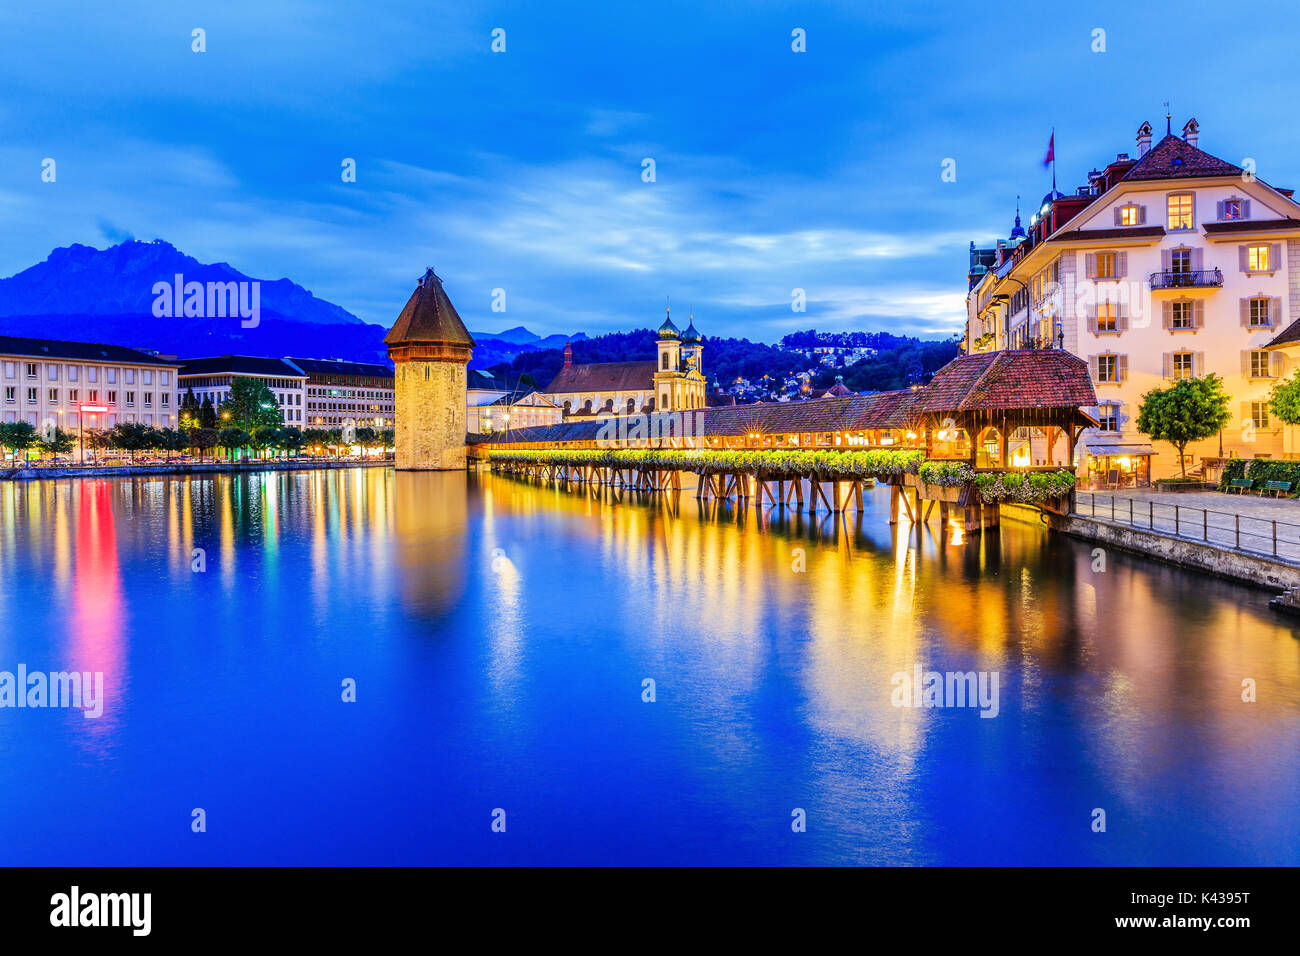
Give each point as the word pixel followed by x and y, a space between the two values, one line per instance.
pixel 665 361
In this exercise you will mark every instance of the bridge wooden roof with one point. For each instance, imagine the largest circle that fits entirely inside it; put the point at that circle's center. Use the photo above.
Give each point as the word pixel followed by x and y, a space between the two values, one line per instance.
pixel 1029 380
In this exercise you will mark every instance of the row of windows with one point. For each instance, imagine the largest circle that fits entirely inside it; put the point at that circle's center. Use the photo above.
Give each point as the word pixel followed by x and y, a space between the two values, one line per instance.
pixel 1180 212
pixel 55 372
pixel 1108 415
pixel 92 395
pixel 350 393
pixel 1110 368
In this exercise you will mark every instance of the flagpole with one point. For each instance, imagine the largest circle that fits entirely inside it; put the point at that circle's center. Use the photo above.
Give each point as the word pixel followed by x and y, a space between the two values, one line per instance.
pixel 1053 159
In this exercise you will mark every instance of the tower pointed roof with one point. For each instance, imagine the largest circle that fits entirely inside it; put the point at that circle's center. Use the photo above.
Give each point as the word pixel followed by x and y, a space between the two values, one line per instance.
pixel 429 316
pixel 691 334
pixel 1174 158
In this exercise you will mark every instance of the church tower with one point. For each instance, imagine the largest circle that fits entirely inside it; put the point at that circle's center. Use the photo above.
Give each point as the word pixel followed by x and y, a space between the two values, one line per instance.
pixel 668 360
pixel 430 347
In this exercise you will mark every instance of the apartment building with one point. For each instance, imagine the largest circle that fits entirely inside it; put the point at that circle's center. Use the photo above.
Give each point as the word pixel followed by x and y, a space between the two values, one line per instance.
pixel 505 413
pixel 77 385
pixel 212 377
pixel 1169 264
pixel 339 392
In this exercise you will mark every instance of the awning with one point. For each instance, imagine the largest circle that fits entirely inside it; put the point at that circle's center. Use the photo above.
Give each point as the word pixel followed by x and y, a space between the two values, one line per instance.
pixel 1121 451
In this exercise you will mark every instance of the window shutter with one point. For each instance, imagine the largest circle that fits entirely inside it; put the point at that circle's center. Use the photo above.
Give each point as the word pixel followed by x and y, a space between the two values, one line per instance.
pixel 1243 258
pixel 1219 207
pixel 1198 364
pixel 1090 265
pixel 1168 365
pixel 1092 318
pixel 1275 317
pixel 1245 313
pixel 1247 413
pixel 1121 320
pixel 1245 363
pixel 1121 265
pixel 1142 215
pixel 1092 366
pixel 1274 256
pixel 1275 364
pixel 1119 211
pixel 1167 314
pixel 1166 260
pixel 1197 259
pixel 1121 368
pixel 1245 209
pixel 1198 315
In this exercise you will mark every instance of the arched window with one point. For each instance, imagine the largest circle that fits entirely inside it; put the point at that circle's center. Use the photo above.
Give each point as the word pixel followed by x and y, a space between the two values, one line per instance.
pixel 665 361
pixel 586 407
pixel 568 407
pixel 631 406
pixel 664 405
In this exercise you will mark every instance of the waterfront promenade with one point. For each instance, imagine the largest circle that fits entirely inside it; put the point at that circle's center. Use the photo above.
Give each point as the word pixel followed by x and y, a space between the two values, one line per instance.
pixel 188 468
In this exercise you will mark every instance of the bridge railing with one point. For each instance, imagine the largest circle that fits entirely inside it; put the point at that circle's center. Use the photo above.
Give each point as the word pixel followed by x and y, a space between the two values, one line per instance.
pixel 1265 536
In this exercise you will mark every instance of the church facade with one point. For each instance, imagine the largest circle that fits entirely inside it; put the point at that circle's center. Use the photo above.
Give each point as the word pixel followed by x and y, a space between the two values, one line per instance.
pixel 674 381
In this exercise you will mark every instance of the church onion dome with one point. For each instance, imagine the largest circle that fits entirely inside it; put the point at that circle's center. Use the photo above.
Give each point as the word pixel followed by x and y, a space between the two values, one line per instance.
pixel 1050 198
pixel 691 335
pixel 979 269
pixel 668 330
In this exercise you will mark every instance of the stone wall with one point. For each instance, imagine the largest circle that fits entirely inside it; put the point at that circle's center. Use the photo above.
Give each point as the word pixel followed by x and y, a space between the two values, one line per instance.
pixel 430 429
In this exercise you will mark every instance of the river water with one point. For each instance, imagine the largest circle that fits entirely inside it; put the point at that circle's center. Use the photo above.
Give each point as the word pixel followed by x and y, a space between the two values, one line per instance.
pixel 501 636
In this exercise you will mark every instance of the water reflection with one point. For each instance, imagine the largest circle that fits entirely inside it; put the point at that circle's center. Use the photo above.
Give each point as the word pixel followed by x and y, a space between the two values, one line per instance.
pixel 499 632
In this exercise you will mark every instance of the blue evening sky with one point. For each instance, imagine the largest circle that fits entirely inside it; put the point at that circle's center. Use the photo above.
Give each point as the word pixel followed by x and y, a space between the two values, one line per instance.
pixel 522 170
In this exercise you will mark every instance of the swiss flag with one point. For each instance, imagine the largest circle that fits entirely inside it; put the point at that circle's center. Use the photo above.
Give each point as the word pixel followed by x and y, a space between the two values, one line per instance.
pixel 1051 151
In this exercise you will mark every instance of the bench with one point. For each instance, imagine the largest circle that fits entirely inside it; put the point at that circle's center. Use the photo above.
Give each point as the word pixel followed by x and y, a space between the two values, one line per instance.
pixel 1240 485
pixel 1277 487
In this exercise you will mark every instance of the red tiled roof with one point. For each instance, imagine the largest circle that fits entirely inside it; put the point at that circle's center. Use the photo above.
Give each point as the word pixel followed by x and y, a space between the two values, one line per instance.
pixel 604 377
pixel 1174 158
pixel 1288 336
pixel 1123 232
pixel 1021 378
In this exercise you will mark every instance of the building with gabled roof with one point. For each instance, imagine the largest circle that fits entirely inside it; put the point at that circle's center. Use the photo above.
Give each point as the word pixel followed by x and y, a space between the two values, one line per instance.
pixel 1169 264
pixel 673 381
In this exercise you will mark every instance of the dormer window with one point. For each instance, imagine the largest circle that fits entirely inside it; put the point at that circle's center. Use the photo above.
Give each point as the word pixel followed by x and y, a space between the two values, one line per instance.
pixel 1235 208
pixel 1128 215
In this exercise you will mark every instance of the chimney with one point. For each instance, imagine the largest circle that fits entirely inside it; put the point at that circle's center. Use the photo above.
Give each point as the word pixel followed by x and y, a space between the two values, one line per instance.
pixel 568 355
pixel 1144 139
pixel 1191 131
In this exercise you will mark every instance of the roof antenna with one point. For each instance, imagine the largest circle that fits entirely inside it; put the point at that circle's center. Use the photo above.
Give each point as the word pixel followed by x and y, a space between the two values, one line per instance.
pixel 1169 116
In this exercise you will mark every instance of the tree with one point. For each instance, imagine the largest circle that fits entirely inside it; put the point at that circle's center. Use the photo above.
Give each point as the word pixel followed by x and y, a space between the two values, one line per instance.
pixel 207 413
pixel 203 439
pixel 1284 401
pixel 1192 409
pixel 251 405
pixel 292 439
pixel 266 438
pixel 232 438
pixel 132 437
pixel 18 436
pixel 190 410
pixel 170 440
pixel 58 443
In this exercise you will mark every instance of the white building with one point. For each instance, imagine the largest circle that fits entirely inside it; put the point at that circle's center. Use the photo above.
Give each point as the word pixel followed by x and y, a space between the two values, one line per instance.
pixel 84 384
pixel 339 392
pixel 212 377
pixel 1170 265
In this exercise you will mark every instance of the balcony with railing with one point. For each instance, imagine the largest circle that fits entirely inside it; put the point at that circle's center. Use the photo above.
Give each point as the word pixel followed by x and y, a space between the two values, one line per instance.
pixel 1186 280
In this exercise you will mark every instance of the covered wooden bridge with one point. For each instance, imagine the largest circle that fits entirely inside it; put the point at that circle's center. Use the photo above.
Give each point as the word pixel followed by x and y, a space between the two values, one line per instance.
pixel 1013 411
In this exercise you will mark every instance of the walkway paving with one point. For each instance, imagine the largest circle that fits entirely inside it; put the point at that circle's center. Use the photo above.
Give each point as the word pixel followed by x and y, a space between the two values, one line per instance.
pixel 1269 526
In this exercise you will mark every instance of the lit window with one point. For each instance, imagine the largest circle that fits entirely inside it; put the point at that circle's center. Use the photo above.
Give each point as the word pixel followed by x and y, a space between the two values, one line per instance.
pixel 1259 364
pixel 1257 259
pixel 1107 368
pixel 1128 215
pixel 1180 211
pixel 1106 318
pixel 1259 414
pixel 1182 365
pixel 1105 265
pixel 1259 317
pixel 1232 209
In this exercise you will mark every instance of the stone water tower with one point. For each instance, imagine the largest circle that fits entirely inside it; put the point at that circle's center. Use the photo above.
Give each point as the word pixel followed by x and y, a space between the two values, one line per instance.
pixel 430 347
